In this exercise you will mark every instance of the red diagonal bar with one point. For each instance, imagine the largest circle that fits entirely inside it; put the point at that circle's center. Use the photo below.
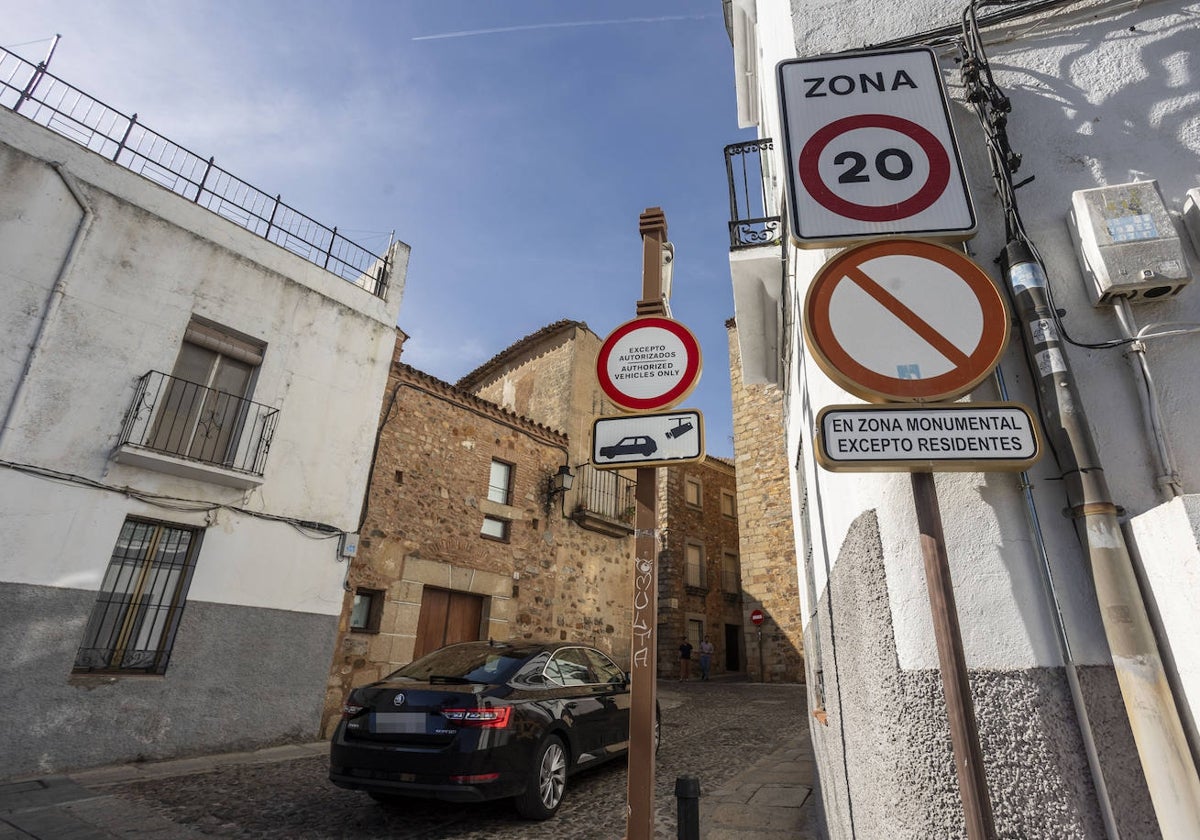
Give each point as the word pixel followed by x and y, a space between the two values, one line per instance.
pixel 914 321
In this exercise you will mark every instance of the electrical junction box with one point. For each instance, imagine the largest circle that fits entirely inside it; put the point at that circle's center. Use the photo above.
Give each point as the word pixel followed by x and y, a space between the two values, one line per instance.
pixel 1127 243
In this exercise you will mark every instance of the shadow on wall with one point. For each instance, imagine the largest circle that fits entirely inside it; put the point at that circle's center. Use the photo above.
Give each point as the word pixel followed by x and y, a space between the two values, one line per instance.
pixel 884 734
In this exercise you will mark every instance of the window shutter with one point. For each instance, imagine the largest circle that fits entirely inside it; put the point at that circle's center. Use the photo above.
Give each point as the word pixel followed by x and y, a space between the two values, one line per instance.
pixel 220 341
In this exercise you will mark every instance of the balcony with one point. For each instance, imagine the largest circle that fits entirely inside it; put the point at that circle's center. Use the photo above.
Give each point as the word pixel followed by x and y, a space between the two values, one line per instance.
pixel 756 259
pixel 604 501
pixel 185 429
pixel 750 225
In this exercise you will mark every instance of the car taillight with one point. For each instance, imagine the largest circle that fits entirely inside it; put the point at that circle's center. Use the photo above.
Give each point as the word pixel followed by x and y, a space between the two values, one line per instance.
pixel 350 709
pixel 483 718
pixel 482 778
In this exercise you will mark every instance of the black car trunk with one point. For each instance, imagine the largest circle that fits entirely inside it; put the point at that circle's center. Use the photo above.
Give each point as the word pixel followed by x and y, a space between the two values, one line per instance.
pixel 411 713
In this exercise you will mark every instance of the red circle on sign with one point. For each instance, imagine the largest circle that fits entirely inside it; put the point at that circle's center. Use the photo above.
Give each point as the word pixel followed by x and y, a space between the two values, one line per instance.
pixel 923 199
pixel 691 371
pixel 969 365
pixel 757 616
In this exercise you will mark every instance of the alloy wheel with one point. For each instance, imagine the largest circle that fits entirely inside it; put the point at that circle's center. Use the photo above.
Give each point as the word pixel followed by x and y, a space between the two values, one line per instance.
pixel 552 776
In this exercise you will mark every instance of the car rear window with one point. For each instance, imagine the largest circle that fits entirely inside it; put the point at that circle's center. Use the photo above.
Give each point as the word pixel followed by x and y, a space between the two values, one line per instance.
pixel 465 663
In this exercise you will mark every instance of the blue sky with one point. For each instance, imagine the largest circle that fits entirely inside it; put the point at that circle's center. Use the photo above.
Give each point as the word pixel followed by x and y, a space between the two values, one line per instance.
pixel 511 144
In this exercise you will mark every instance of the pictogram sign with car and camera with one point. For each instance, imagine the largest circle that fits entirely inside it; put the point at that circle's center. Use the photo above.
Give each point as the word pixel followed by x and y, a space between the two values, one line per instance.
pixel 648 364
pixel 648 440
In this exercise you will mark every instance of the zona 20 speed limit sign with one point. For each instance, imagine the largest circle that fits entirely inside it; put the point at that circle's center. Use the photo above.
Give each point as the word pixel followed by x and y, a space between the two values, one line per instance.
pixel 871 150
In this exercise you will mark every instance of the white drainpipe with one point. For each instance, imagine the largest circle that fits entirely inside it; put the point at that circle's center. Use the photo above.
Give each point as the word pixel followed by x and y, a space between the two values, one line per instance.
pixel 57 293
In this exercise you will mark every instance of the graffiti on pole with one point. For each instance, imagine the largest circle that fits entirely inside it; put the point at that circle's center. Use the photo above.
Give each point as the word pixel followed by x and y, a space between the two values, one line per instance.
pixel 643 627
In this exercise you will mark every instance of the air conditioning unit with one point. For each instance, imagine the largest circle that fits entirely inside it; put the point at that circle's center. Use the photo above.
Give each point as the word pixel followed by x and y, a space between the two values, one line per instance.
pixel 1127 244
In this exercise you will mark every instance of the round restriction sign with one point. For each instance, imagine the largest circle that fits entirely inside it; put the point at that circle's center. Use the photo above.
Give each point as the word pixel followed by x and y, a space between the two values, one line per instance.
pixel 648 364
pixel 906 320
pixel 918 174
pixel 756 616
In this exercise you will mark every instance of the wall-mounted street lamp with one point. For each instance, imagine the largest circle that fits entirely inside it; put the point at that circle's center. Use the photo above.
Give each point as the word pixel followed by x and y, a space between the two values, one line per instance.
pixel 559 483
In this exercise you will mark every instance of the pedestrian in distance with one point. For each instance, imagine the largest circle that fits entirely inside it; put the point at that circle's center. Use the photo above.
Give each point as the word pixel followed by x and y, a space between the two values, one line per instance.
pixel 685 661
pixel 706 655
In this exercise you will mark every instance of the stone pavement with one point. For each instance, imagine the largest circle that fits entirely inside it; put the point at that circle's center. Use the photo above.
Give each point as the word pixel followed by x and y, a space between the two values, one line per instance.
pixel 774 797
pixel 76 806
pixel 748 744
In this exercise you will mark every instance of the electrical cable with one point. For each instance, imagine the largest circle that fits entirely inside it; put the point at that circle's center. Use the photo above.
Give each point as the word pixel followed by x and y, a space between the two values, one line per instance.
pixel 992 107
pixel 308 528
pixel 387 413
pixel 948 34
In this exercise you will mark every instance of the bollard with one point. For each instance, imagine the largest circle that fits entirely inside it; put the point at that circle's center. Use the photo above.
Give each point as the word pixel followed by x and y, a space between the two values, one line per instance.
pixel 687 794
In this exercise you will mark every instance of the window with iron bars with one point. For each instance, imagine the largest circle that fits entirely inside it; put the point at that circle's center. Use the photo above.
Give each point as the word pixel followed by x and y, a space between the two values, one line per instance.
pixel 136 615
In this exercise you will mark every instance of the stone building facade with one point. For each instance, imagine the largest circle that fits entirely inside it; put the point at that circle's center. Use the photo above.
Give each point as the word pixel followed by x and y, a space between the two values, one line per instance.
pixel 550 377
pixel 462 537
pixel 699 577
pixel 767 540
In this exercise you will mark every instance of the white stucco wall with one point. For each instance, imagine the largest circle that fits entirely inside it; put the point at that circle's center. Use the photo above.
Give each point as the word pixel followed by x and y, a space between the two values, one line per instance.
pixel 63 536
pixel 1100 96
pixel 147 263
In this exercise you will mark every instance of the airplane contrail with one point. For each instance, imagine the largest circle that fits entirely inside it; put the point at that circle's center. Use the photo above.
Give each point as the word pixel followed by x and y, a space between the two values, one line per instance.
pixel 468 33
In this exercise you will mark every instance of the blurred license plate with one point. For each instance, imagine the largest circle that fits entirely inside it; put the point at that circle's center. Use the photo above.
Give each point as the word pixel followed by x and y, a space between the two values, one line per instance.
pixel 396 723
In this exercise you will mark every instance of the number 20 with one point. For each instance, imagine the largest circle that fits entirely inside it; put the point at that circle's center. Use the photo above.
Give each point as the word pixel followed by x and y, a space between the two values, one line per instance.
pixel 858 163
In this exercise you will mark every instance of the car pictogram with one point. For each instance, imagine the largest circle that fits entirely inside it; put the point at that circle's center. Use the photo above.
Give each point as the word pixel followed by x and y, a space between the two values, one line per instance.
pixel 633 445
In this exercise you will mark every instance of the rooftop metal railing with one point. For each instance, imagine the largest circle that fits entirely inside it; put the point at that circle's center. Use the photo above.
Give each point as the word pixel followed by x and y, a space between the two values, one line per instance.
pixel 749 223
pixel 31 91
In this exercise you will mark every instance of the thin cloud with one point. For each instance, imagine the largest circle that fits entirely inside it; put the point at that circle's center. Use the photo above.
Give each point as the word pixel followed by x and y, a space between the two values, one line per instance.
pixel 471 33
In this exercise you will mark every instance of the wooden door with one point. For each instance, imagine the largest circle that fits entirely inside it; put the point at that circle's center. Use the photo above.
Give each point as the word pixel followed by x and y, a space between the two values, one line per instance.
pixel 447 617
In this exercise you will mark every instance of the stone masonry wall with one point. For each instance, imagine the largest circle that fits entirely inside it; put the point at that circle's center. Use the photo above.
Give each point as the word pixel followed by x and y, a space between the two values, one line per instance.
pixel 768 543
pixel 718 602
pixel 550 377
pixel 428 497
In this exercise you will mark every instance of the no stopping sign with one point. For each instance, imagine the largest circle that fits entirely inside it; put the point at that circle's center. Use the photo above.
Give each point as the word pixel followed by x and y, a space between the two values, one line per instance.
pixel 905 320
pixel 871 149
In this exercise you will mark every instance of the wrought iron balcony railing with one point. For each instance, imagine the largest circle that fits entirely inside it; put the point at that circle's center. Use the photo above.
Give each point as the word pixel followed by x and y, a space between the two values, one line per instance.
pixel 29 90
pixel 175 417
pixel 604 493
pixel 750 225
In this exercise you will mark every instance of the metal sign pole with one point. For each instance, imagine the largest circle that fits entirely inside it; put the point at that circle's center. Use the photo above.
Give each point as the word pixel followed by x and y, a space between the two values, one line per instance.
pixel 762 665
pixel 644 659
pixel 964 730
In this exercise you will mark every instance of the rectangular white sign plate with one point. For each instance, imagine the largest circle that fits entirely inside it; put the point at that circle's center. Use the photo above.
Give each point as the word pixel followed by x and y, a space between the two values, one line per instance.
pixel 958 437
pixel 870 149
pixel 647 440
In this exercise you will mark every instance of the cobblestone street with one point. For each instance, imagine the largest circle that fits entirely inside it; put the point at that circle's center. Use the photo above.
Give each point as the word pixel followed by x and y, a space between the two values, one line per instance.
pixel 713 730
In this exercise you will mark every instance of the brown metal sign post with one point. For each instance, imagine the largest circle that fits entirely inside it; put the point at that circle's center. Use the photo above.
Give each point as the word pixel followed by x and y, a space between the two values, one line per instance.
pixel 920 294
pixel 964 730
pixel 644 655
